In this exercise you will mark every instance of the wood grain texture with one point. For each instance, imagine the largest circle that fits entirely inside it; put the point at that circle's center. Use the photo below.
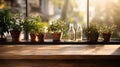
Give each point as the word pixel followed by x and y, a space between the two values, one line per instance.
pixel 59 56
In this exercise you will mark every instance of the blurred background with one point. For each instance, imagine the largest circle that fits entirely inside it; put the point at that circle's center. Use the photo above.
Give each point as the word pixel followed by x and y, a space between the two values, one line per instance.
pixel 71 11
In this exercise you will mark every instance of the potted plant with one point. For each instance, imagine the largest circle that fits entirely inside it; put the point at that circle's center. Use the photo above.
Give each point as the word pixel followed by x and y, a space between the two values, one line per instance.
pixel 92 33
pixel 15 27
pixel 40 27
pixel 29 26
pixel 106 31
pixel 4 22
pixel 57 27
pixel 35 27
pixel 41 31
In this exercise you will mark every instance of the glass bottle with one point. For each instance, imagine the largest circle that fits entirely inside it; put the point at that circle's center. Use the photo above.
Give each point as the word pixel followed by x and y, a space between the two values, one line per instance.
pixel 71 33
pixel 79 33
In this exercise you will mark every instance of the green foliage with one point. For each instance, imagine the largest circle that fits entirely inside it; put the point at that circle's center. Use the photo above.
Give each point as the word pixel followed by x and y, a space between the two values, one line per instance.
pixel 15 23
pixel 34 24
pixel 107 28
pixel 40 27
pixel 33 27
pixel 4 20
pixel 28 23
pixel 57 26
pixel 92 30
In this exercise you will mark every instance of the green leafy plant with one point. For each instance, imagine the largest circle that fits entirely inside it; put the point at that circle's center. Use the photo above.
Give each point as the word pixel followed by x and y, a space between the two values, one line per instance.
pixel 92 32
pixel 107 28
pixel 4 21
pixel 40 27
pixel 93 29
pixel 15 27
pixel 41 30
pixel 28 24
pixel 106 31
pixel 35 27
pixel 57 26
pixel 15 23
pixel 34 24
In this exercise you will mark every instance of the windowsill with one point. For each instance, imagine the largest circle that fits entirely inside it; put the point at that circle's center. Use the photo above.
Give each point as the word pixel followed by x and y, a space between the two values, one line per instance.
pixel 49 42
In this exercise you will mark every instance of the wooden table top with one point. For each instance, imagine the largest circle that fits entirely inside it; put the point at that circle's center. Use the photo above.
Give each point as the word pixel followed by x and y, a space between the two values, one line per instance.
pixel 59 51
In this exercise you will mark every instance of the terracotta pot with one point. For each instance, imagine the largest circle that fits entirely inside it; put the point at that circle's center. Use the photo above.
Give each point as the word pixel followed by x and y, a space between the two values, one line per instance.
pixel 106 37
pixel 15 35
pixel 93 38
pixel 56 36
pixel 40 37
pixel 33 37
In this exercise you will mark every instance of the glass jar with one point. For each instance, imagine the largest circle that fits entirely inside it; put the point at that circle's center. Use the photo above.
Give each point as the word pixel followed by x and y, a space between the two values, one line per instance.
pixel 79 33
pixel 71 33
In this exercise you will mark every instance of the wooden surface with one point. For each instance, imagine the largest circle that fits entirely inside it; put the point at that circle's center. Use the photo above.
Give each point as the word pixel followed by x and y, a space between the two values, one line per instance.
pixel 60 55
pixel 7 51
pixel 59 49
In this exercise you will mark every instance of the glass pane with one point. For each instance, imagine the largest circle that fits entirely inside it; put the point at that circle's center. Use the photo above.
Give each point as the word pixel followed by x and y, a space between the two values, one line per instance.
pixel 34 7
pixel 17 6
pixel 71 11
pixel 106 12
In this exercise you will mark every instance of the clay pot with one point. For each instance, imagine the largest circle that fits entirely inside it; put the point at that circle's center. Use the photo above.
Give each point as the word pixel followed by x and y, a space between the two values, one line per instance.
pixel 15 36
pixel 40 37
pixel 33 37
pixel 93 38
pixel 106 37
pixel 56 36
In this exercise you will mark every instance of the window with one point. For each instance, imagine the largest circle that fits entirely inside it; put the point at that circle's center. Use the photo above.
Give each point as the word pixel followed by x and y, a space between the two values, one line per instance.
pixel 73 11
pixel 107 12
